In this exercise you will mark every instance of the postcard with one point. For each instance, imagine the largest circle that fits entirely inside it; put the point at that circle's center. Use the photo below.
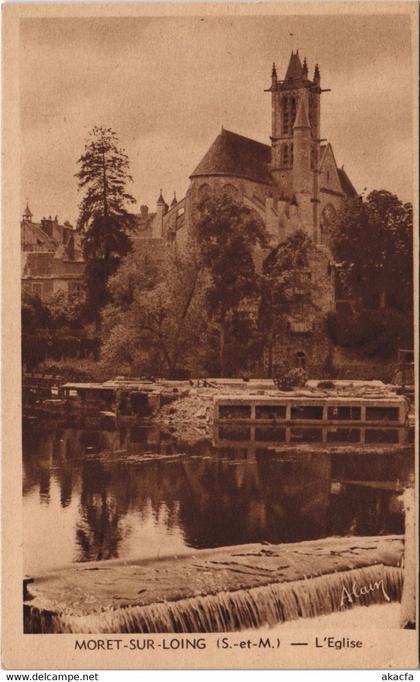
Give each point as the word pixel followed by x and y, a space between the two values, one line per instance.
pixel 209 336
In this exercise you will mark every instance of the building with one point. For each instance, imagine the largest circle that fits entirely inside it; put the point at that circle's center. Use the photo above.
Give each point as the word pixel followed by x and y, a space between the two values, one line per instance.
pixel 293 183
pixel 51 257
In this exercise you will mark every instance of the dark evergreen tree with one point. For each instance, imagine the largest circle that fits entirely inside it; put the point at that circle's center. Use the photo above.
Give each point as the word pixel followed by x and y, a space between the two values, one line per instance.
pixel 104 221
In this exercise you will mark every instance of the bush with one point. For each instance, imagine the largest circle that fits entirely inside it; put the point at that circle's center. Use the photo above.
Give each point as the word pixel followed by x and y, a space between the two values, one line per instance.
pixel 35 348
pixel 65 345
pixel 326 384
pixel 373 332
pixel 294 378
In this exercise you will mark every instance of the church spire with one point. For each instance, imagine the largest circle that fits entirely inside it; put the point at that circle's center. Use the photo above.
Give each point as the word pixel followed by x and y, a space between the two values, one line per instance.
pixel 274 76
pixel 317 75
pixel 305 69
pixel 27 214
pixel 301 120
pixel 294 70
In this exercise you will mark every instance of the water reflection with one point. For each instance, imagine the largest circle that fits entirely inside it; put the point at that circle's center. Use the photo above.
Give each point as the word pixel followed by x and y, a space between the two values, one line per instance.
pixel 137 492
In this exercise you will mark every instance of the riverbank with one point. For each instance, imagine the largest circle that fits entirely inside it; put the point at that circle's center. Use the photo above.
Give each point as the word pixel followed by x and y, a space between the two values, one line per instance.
pixel 222 589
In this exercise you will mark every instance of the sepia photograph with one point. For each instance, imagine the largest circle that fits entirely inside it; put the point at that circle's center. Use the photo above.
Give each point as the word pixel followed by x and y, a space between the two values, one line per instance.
pixel 216 325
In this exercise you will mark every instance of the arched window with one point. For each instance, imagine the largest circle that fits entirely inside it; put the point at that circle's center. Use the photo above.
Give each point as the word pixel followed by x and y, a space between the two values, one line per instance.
pixel 287 155
pixel 328 219
pixel 300 359
pixel 289 114
pixel 230 190
pixel 204 191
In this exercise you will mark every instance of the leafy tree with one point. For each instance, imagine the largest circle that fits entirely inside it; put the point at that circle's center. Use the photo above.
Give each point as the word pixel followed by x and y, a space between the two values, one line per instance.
pixel 227 234
pixel 36 341
pixel 35 313
pixel 373 246
pixel 155 318
pixel 67 310
pixel 54 328
pixel 104 221
pixel 244 344
pixel 287 288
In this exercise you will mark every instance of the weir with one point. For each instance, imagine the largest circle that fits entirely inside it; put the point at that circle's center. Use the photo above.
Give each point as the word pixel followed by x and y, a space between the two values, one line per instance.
pixel 217 590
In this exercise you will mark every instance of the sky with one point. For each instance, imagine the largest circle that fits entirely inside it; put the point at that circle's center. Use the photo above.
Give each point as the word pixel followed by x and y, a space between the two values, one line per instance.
pixel 167 85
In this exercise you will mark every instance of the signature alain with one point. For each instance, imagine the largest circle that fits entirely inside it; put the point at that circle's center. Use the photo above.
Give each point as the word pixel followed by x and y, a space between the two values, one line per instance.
pixel 355 592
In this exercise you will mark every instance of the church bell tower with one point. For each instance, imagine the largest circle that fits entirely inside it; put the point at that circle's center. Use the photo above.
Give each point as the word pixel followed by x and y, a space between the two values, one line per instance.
pixel 295 139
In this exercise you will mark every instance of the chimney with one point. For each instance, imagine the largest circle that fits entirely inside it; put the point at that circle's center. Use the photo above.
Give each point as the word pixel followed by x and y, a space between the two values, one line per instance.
pixel 144 211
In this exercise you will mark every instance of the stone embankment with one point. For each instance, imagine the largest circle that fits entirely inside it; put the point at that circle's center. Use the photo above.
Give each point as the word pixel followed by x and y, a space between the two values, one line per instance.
pixel 188 410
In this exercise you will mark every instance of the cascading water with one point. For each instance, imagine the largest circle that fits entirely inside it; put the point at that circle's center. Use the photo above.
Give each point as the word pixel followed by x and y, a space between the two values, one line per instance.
pixel 233 611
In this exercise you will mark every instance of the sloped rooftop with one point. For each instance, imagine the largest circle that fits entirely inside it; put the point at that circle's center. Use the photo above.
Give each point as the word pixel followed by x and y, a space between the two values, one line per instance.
pixel 346 183
pixel 236 155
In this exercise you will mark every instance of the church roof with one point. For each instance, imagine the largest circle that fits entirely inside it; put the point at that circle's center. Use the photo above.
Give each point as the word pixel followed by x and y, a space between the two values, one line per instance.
pixel 235 155
pixel 294 70
pixel 346 183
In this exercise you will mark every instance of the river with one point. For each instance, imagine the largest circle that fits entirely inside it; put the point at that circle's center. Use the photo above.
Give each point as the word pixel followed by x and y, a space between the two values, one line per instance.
pixel 137 492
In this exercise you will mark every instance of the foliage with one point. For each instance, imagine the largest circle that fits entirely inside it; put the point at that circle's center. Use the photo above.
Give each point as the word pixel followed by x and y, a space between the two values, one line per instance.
pixel 155 317
pixel 227 234
pixel 287 288
pixel 244 344
pixel 35 313
pixel 54 329
pixel 104 221
pixel 372 332
pixel 66 372
pixel 373 244
pixel 66 310
pixel 294 378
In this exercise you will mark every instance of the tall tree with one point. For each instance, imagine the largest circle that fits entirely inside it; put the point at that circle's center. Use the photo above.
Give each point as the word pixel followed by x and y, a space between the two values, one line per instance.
pixel 373 246
pixel 287 288
pixel 373 243
pixel 104 221
pixel 227 234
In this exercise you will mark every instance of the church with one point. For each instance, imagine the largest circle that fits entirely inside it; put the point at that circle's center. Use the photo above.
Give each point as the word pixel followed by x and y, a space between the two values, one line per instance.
pixel 293 183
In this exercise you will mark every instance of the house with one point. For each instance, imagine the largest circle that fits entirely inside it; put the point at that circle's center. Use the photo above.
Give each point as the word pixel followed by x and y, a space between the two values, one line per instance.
pixel 51 257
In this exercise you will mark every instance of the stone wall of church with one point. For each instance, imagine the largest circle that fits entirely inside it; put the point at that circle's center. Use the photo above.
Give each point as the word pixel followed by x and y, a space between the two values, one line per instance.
pixel 306 342
pixel 241 188
pixel 309 350
pixel 202 186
